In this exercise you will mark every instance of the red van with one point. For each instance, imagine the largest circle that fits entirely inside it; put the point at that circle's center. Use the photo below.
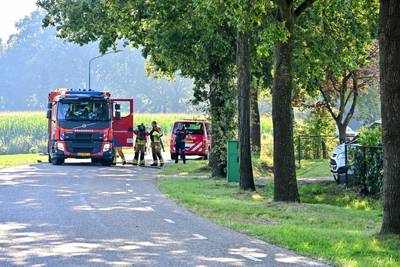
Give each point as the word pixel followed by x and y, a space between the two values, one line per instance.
pixel 198 142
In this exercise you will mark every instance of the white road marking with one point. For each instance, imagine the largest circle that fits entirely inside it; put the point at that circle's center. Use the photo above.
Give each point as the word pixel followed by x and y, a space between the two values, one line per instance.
pixel 128 184
pixel 200 237
pixel 130 190
pixel 250 257
pixel 169 221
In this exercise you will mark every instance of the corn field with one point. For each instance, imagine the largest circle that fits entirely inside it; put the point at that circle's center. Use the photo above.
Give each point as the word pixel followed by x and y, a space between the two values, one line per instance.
pixel 26 132
pixel 22 132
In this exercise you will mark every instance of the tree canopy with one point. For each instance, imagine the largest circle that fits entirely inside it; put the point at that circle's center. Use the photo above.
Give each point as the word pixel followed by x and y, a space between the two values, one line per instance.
pixel 35 62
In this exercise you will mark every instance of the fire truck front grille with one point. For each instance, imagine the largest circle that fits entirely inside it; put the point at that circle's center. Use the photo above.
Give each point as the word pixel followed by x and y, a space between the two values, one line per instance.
pixel 83 137
pixel 83 147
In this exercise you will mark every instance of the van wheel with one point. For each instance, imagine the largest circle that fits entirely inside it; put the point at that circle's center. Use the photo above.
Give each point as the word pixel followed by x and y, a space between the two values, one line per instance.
pixel 207 156
pixel 57 161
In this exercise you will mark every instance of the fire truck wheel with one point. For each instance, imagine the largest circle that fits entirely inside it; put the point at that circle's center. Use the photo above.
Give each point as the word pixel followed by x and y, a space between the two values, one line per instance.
pixel 57 161
pixel 95 161
pixel 107 162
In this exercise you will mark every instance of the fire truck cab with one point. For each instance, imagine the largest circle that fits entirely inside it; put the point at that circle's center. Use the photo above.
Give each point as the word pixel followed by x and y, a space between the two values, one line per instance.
pixel 86 124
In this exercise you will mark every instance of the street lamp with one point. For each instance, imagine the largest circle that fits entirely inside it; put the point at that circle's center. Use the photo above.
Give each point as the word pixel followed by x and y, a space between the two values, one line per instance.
pixel 96 57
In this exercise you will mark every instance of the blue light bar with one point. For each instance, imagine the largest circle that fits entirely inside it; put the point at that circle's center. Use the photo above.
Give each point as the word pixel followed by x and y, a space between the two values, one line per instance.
pixel 84 93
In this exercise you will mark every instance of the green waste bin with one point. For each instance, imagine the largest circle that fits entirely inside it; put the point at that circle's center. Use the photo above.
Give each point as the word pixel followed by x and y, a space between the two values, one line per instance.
pixel 232 174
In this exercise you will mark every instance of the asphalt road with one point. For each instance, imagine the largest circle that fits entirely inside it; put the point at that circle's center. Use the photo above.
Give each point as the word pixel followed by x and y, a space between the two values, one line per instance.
pixel 83 215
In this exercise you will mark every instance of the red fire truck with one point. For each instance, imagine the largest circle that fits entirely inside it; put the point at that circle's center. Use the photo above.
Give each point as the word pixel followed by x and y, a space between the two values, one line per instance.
pixel 86 124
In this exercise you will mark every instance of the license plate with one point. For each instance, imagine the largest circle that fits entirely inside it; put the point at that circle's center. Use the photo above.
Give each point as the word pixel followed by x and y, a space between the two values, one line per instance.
pixel 84 154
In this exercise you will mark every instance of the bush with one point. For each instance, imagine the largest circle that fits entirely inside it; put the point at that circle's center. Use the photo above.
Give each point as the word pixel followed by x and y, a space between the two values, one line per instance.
pixel 370 136
pixel 366 159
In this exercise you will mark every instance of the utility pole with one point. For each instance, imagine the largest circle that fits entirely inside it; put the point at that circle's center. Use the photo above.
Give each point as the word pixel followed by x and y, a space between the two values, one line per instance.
pixel 96 57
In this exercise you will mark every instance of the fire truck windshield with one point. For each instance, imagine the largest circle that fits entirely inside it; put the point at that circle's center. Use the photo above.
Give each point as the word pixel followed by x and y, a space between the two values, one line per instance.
pixel 83 111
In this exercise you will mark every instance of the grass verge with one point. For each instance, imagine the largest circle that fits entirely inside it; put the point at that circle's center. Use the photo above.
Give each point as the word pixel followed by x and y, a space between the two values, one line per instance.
pixel 331 223
pixel 8 161
pixel 192 167
pixel 314 168
pixel 309 168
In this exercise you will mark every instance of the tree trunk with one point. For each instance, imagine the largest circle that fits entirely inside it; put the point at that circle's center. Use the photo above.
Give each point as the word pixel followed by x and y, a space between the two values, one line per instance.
pixel 244 80
pixel 222 119
pixel 255 128
pixel 217 167
pixel 390 96
pixel 285 183
pixel 342 132
pixel 324 151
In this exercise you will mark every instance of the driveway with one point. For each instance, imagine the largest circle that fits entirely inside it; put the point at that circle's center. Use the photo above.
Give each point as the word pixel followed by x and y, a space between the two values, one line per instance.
pixel 83 215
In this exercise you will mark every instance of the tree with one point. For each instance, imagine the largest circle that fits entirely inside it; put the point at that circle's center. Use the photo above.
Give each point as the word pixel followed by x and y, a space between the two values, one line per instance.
pixel 243 59
pixel 285 183
pixel 338 56
pixel 186 36
pixel 389 43
pixel 34 52
pixel 255 120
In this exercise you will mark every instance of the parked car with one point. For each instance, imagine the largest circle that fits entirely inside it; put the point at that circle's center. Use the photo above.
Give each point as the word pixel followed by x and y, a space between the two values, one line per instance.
pixel 338 157
pixel 198 142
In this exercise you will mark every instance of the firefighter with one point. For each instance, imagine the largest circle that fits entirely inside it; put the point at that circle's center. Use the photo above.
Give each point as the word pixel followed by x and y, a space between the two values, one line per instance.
pixel 140 145
pixel 180 136
pixel 155 138
pixel 118 151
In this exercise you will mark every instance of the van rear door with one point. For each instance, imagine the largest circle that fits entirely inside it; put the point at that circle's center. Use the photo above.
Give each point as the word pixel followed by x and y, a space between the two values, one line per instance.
pixel 123 126
pixel 194 141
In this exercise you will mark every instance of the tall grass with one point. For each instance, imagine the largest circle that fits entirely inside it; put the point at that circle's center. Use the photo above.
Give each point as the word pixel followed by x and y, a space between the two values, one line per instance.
pixel 26 132
pixel 22 132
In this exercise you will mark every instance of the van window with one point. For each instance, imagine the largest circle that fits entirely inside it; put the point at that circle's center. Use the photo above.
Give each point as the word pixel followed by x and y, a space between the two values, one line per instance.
pixel 191 127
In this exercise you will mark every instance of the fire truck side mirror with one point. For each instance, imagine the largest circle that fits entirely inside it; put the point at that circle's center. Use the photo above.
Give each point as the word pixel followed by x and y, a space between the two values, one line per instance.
pixel 117 111
pixel 48 115
pixel 117 115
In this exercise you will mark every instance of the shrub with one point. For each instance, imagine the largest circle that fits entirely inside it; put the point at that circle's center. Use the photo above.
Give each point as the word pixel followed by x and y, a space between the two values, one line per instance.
pixel 370 136
pixel 367 161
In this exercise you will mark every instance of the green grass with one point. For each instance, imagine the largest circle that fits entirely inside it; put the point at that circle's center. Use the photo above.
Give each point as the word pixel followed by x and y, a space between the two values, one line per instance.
pixel 192 167
pixel 8 161
pixel 331 223
pixel 309 169
pixel 314 168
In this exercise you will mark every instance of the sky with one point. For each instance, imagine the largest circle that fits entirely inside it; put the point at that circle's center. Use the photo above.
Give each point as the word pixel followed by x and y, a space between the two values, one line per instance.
pixel 12 11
